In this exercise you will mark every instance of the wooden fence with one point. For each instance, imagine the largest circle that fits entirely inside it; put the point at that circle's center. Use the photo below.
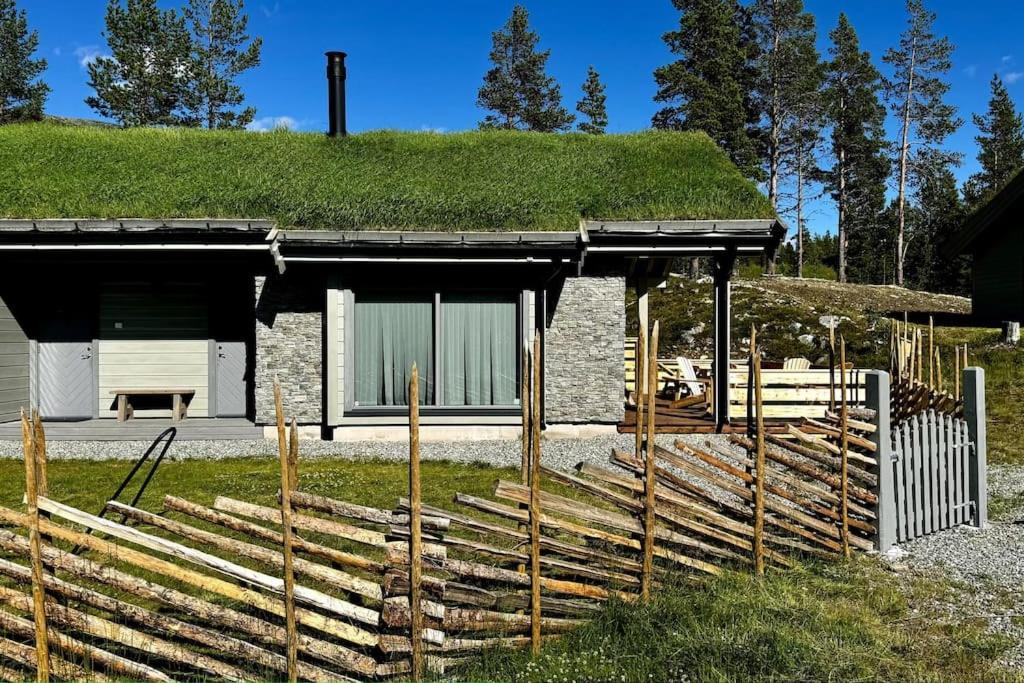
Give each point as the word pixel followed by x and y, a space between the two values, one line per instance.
pixel 787 394
pixel 321 589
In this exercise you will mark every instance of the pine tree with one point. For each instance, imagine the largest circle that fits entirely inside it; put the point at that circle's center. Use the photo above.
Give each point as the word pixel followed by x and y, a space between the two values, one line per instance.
pixel 22 95
pixel 789 76
pixel 517 90
pixel 1000 145
pixel 937 216
pixel 710 86
pixel 221 51
pixel 144 81
pixel 593 104
pixel 915 93
pixel 856 117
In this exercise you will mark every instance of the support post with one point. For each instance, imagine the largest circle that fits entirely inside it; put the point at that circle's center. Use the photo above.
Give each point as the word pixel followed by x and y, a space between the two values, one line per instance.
pixel 535 610
pixel 415 529
pixel 974 412
pixel 722 267
pixel 642 298
pixel 877 399
pixel 291 626
pixel 35 553
pixel 640 386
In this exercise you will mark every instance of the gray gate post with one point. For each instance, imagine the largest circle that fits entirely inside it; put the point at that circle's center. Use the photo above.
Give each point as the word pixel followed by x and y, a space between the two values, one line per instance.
pixel 877 399
pixel 974 413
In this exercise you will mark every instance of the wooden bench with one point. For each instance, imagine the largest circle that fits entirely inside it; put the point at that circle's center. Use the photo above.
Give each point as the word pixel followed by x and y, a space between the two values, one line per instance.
pixel 178 406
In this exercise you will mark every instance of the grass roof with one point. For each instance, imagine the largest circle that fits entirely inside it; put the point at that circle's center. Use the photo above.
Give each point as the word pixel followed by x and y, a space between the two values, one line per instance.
pixel 379 180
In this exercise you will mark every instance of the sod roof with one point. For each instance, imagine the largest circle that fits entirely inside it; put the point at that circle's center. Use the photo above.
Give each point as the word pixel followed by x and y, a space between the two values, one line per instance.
pixel 378 180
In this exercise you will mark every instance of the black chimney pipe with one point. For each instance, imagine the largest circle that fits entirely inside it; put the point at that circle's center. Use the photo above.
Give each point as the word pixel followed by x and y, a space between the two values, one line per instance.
pixel 336 94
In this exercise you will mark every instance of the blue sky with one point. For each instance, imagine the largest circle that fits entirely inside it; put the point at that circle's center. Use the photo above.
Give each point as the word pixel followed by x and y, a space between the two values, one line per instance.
pixel 418 65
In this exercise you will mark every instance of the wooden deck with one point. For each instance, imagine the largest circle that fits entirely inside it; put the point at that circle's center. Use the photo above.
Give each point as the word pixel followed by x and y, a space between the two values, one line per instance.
pixel 141 429
pixel 693 420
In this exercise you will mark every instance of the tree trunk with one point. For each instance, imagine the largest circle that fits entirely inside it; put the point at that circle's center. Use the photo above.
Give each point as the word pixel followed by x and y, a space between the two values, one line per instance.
pixel 774 134
pixel 800 212
pixel 901 200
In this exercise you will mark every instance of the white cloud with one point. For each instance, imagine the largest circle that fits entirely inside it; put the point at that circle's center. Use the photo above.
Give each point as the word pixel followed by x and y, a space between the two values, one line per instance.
pixel 57 51
pixel 87 54
pixel 1012 77
pixel 270 11
pixel 971 71
pixel 1007 59
pixel 269 123
pixel 432 129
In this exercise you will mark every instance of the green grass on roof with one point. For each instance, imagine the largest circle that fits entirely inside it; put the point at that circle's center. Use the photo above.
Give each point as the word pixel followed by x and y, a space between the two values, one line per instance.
pixel 384 180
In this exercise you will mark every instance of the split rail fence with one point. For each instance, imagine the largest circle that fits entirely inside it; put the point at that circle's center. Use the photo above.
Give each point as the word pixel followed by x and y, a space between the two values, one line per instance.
pixel 321 589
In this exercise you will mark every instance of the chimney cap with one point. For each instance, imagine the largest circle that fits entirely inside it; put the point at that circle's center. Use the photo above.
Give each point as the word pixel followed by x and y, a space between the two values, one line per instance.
pixel 336 53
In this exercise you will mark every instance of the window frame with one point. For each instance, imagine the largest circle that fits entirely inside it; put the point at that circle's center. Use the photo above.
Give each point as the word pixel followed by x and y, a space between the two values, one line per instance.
pixel 519 296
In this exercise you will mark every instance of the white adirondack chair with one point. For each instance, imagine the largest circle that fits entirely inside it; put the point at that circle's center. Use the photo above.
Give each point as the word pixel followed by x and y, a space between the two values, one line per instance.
pixel 796 364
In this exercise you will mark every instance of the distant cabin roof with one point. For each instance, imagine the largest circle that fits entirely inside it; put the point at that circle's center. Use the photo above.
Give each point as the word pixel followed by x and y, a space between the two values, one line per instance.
pixel 986 217
pixel 387 180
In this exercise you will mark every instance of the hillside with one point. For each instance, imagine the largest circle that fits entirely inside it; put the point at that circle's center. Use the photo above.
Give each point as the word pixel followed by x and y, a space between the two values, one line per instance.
pixel 787 313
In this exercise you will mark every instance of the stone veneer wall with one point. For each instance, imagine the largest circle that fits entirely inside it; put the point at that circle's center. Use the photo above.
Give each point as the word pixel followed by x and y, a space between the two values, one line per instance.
pixel 584 370
pixel 289 343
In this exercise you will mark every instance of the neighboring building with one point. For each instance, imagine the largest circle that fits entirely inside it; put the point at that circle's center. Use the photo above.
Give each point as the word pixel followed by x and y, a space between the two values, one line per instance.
pixel 378 251
pixel 994 236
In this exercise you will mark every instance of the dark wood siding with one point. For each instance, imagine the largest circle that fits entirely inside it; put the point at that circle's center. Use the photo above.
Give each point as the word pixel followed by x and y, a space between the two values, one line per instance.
pixel 13 366
pixel 999 276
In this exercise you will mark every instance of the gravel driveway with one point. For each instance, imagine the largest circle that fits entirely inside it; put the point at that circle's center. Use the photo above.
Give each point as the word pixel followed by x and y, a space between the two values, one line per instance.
pixel 988 562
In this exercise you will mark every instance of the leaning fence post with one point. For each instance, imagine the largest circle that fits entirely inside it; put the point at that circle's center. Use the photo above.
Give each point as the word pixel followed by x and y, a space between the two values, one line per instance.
pixel 877 399
pixel 291 628
pixel 647 568
pixel 974 412
pixel 35 553
pixel 415 530
pixel 535 608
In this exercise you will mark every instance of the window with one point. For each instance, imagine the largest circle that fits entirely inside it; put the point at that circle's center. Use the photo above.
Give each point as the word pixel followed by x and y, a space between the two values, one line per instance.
pixel 464 344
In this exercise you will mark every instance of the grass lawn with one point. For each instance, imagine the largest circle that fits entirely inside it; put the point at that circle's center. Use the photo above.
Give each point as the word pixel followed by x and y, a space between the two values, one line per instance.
pixel 817 622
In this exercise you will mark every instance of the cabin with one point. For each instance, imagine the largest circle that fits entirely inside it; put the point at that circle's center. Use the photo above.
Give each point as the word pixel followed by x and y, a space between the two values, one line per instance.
pixel 334 263
pixel 994 237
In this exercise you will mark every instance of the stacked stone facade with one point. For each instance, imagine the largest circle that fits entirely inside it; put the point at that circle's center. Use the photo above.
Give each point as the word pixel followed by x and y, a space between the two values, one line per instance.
pixel 289 344
pixel 583 355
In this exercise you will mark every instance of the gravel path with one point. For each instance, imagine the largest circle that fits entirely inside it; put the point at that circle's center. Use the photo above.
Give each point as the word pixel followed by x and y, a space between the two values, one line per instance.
pixel 561 454
pixel 988 562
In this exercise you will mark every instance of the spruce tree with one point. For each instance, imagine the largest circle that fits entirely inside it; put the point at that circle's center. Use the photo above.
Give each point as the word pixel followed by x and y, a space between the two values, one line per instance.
pixel 221 51
pixel 856 117
pixel 144 81
pixel 710 86
pixel 789 78
pixel 915 93
pixel 1000 145
pixel 592 105
pixel 517 90
pixel 22 94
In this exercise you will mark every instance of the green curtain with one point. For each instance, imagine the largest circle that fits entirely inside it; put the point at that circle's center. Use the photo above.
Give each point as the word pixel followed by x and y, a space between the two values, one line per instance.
pixel 390 334
pixel 479 350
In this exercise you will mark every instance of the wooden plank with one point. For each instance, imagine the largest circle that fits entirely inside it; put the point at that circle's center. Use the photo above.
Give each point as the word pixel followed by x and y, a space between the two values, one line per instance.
pixel 178 551
pixel 950 480
pixel 900 484
pixel 918 447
